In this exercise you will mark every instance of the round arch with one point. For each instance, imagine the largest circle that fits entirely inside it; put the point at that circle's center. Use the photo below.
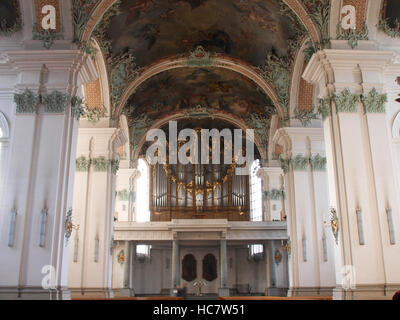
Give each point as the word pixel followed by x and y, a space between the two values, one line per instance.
pixel 218 115
pixel 218 62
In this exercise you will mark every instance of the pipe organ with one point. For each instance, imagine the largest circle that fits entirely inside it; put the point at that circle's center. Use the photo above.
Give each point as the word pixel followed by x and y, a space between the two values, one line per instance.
pixel 198 191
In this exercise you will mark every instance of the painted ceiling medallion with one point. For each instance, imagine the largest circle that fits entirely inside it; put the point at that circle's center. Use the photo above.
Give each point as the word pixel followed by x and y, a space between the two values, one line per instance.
pixel 10 17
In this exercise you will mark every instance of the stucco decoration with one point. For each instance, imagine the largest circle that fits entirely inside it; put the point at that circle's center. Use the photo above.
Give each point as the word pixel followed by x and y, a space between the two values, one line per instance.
pixel 306 117
pixel 94 115
pixel 54 102
pixel 374 102
pixel 200 58
pixel 276 194
pixel 324 107
pixel 100 164
pixel 285 164
pixel 26 102
pixel 318 163
pixel 114 165
pixel 300 162
pixel 77 107
pixel 46 36
pixel 346 101
pixel 352 35
pixel 10 17
pixel 81 10
pixel 389 20
pixel 123 195
pixel 319 11
pixel 82 164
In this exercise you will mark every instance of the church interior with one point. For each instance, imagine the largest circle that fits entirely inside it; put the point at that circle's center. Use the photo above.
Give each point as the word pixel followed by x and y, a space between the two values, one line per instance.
pixel 85 213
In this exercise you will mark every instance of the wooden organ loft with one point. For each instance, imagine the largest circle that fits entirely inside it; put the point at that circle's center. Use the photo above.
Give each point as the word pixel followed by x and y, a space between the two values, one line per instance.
pixel 199 191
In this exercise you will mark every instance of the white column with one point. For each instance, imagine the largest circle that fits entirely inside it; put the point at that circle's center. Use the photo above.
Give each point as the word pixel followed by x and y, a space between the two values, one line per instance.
pixel 361 166
pixel 94 196
pixel 40 172
pixel 307 207
pixel 175 265
pixel 223 289
pixel 274 193
pixel 126 194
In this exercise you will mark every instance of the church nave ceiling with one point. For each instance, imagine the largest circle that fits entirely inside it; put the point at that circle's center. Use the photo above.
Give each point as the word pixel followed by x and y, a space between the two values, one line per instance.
pixel 185 89
pixel 264 35
pixel 154 30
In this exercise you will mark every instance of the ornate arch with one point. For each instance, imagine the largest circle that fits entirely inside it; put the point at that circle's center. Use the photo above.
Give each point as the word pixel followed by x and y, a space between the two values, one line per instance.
pixel 216 115
pixel 219 62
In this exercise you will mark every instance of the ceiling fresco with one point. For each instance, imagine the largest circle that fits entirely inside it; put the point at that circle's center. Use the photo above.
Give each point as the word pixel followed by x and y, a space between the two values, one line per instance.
pixel 189 88
pixel 135 34
pixel 157 29
pixel 199 93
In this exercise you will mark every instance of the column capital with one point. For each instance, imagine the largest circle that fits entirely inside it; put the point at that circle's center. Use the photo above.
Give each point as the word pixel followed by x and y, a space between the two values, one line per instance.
pixel 300 141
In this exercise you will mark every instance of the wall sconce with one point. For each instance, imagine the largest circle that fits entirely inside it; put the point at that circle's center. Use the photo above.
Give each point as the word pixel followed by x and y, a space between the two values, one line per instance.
pixel 304 243
pixel 360 227
pixel 43 224
pixel 391 227
pixel 96 250
pixel 76 247
pixel 11 230
pixel 325 247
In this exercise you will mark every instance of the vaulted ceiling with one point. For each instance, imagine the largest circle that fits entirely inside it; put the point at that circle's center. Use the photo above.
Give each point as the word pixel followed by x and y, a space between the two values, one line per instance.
pixel 157 29
pixel 185 89
pixel 262 35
